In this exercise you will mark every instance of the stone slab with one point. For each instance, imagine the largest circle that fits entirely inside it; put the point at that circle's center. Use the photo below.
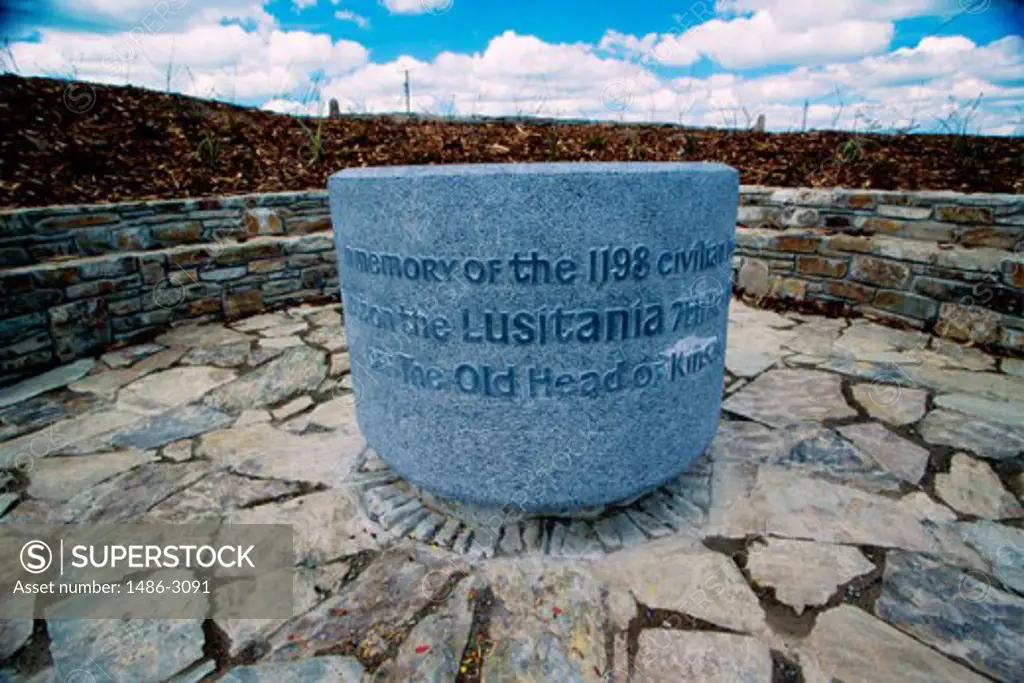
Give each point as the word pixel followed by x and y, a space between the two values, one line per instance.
pixel 48 381
pixel 955 612
pixel 60 479
pixel 892 403
pixel 781 397
pixel 804 573
pixel 666 655
pixel 973 488
pixel 906 460
pixel 681 575
pixel 848 644
pixel 991 440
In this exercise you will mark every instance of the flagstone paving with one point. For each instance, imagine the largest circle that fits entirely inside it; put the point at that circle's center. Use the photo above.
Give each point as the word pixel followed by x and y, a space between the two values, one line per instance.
pixel 856 518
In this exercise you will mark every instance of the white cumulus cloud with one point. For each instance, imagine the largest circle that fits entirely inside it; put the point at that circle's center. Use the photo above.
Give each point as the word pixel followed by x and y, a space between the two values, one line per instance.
pixel 418 6
pixel 357 19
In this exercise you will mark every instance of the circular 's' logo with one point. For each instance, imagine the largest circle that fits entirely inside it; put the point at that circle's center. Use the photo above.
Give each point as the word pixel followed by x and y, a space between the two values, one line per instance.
pixel 36 557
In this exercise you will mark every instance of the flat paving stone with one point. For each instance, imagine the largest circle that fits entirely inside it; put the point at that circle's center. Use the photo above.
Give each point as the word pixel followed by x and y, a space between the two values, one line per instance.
pixel 136 649
pixel 903 458
pixel 1007 413
pixel 812 342
pixel 181 423
pixel 801 447
pixel 107 384
pixel 804 573
pixel 433 649
pixel 201 336
pixel 325 317
pixel 60 479
pixel 781 397
pixel 228 356
pixel 957 613
pixel 1012 366
pixel 330 337
pixel 209 499
pixel 990 440
pixel 40 411
pixel 326 526
pixel 545 624
pixel 178 451
pixel 923 507
pixel 751 351
pixel 681 575
pixel 848 644
pixel 162 391
pixel 309 587
pixel 791 505
pixel 667 655
pixel 123 358
pixel 1002 546
pixel 261 450
pixel 955 355
pixel 14 633
pixel 328 668
pixel 973 488
pixel 748 316
pixel 338 413
pixel 251 417
pixel 867 333
pixel 292 407
pixel 7 501
pixel 893 404
pixel 989 385
pixel 271 347
pixel 48 381
pixel 369 613
pixel 130 495
pixel 298 369
pixel 261 322
pixel 65 436
pixel 340 364
pixel 287 329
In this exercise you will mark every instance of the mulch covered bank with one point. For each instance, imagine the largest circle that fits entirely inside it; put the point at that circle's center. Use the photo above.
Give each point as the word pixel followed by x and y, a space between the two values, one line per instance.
pixel 67 143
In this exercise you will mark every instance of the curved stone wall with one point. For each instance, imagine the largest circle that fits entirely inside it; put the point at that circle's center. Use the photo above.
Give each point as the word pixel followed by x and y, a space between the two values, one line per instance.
pixel 75 280
pixel 938 261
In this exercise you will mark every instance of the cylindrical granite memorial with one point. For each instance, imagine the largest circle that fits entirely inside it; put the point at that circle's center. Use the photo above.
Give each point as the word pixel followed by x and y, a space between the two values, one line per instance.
pixel 541 336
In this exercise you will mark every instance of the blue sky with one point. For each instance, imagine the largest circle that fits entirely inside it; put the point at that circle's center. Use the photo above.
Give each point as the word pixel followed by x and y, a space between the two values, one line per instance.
pixel 853 63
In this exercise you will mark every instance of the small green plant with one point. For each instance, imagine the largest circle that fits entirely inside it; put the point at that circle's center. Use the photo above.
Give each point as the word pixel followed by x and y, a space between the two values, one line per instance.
pixel 595 142
pixel 552 146
pixel 208 150
pixel 688 146
pixel 957 123
pixel 635 152
pixel 849 151
pixel 314 141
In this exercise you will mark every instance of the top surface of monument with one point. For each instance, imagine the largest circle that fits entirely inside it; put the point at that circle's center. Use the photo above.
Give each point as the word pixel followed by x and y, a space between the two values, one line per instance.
pixel 534 169
pixel 538 335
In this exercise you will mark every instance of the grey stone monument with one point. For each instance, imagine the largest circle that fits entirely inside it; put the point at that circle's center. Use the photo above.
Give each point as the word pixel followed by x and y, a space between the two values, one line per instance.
pixel 540 336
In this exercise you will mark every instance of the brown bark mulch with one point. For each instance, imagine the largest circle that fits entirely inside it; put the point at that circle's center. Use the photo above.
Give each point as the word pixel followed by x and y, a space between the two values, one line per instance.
pixel 65 142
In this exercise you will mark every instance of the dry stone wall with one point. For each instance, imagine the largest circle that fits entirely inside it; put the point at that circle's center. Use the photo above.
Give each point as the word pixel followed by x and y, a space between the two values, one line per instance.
pixel 938 261
pixel 75 280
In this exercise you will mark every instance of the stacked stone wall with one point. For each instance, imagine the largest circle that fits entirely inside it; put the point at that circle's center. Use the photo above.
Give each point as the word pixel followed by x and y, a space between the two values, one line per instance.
pixel 939 261
pixel 75 280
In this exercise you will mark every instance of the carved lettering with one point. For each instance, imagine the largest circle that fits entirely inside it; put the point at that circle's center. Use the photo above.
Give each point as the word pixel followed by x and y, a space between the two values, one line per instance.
pixel 685 359
pixel 600 266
